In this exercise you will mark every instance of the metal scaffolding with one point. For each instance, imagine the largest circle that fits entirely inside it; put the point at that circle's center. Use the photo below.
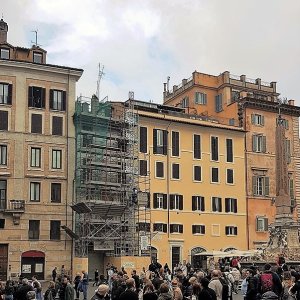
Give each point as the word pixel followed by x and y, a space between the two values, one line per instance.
pixel 109 205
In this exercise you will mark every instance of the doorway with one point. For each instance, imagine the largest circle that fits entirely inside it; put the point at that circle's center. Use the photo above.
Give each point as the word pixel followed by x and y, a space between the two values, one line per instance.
pixel 198 261
pixel 33 263
pixel 3 261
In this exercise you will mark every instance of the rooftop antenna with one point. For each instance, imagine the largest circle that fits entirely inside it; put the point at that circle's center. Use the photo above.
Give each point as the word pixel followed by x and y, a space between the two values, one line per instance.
pixel 100 74
pixel 36 38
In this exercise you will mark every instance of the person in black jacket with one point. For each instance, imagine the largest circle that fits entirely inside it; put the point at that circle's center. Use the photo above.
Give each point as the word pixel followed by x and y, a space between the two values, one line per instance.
pixel 252 287
pixel 23 289
pixel 148 292
pixel 276 282
pixel 206 291
pixel 130 293
pixel 295 290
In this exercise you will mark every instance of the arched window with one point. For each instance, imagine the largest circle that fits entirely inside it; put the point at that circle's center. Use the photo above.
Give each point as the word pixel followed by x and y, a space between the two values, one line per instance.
pixel 230 249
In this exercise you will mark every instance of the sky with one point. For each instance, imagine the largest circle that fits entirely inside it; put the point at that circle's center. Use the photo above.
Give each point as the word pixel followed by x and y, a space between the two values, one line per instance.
pixel 142 42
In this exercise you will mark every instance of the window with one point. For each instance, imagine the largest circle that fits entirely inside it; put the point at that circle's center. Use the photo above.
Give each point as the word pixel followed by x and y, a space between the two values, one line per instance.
pixel 143 139
pixel 214 175
pixel 58 100
pixel 176 256
pixel 36 97
pixel 3 193
pixel 34 230
pixel 198 229
pixel 259 143
pixel 185 102
pixel 4 53
pixel 261 224
pixel 229 176
pixel 257 119
pixel 198 203
pixel 231 205
pixel 216 204
pixel 175 143
pixel 37 57
pixel 176 202
pixel 87 140
pixel 56 159
pixel 3 120
pixel 54 230
pixel 230 230
pixel 159 169
pixel 56 192
pixel 197 146
pixel 160 141
pixel 35 191
pixel 200 98
pixel 176 228
pixel 3 155
pixel 35 159
pixel 197 173
pixel 229 150
pixel 231 122
pixel 288 151
pixel 235 95
pixel 143 168
pixel 175 171
pixel 160 201
pixel 160 227
pixel 2 223
pixel 218 103
pixel 57 125
pixel 5 93
pixel 214 145
pixel 142 226
pixel 260 185
pixel 285 123
pixel 36 123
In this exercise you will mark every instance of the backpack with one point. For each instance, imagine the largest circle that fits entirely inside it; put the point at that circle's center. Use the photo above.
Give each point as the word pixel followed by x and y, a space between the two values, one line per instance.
pixel 266 282
pixel 225 289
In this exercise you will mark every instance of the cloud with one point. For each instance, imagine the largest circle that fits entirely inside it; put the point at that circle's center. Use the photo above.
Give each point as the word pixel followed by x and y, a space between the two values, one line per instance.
pixel 142 42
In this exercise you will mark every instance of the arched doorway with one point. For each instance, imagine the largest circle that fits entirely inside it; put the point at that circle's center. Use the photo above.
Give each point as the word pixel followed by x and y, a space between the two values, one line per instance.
pixel 33 263
pixel 198 261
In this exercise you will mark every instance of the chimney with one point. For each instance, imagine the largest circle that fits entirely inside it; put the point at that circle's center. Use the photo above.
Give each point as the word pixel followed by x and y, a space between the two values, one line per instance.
pixel 291 102
pixel 3 31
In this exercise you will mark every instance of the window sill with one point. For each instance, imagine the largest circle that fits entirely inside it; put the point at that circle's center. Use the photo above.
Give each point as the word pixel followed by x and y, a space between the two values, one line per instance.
pixel 6 104
pixel 57 110
pixel 197 181
pixel 201 234
pixel 232 235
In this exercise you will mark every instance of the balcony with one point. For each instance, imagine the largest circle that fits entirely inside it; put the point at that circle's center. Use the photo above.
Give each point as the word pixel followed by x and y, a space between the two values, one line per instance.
pixel 16 208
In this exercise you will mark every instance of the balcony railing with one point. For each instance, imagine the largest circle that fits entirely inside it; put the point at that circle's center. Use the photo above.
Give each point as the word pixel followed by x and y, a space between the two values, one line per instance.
pixel 16 206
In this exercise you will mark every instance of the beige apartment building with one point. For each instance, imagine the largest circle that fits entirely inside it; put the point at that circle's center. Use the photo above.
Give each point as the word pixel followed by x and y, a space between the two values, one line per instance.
pixel 37 142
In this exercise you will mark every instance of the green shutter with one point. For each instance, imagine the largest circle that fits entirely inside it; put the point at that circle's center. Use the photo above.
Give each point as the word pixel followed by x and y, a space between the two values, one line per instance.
pixel 267 186
pixel 254 185
pixel 266 224
pixel 291 182
pixel 253 118
pixel 264 144
pixel 254 143
pixel 262 120
pixel 288 150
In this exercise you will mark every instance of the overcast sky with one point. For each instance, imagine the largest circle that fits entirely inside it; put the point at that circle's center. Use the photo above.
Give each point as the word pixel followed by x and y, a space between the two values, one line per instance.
pixel 141 42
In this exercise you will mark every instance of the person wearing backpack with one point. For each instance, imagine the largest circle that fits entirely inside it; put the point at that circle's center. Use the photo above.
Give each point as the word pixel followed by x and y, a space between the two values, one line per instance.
pixel 252 285
pixel 216 285
pixel 229 279
pixel 269 281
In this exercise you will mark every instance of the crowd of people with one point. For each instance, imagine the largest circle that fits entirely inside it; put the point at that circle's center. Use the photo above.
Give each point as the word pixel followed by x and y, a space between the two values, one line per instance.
pixel 157 282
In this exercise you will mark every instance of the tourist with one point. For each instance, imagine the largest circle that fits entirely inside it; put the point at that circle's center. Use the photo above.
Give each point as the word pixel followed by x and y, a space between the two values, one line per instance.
pixel 136 280
pixel 164 292
pixel 269 281
pixel 96 282
pixel 8 290
pixel 237 277
pixel 287 284
pixel 252 285
pixel 84 284
pixel 215 284
pixel 295 290
pixel 148 292
pixel 206 293
pixel 37 288
pixel 69 290
pixel 54 274
pixel 177 294
pixel 22 290
pixel 76 282
pixel 101 293
pixel 130 292
pixel 50 293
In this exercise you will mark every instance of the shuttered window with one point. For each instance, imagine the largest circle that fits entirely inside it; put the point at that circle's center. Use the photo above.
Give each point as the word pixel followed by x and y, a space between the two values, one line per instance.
pixel 143 168
pixel 261 224
pixel 218 103
pixel 214 175
pixel 142 226
pixel 231 230
pixel 176 228
pixel 36 97
pixel 175 171
pixel 229 176
pixel 159 169
pixel 230 205
pixel 214 148
pixel 57 125
pixel 3 120
pixel 35 191
pixel 257 119
pixel 160 141
pixel 229 150
pixel 5 93
pixel 198 229
pixel 143 139
pixel 175 143
pixel 197 146
pixel 34 230
pixel 259 143
pixel 197 173
pixel 160 201
pixel 200 98
pixel 58 100
pixel 56 192
pixel 198 203
pixel 3 155
pixel 36 123
pixel 55 230
pixel 160 227
pixel 176 202
pixel 260 185
pixel 56 159
pixel 35 157
pixel 216 204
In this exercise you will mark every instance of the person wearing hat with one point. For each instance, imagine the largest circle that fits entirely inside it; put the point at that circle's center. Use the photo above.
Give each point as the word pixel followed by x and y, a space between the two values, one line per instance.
pixel 101 292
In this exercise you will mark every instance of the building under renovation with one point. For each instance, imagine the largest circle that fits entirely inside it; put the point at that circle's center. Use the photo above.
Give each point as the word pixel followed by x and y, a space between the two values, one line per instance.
pixel 111 205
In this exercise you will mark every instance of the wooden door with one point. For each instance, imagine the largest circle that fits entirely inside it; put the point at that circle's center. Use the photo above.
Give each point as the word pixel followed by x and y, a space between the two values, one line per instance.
pixel 3 261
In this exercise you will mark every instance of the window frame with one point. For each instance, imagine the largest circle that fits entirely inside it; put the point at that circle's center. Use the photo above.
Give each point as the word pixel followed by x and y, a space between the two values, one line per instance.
pixel 231 230
pixel 141 167
pixel 198 204
pixel 55 130
pixel 179 228
pixel 53 194
pixel 3 194
pixel 143 139
pixel 34 230
pixel 264 220
pixel 229 154
pixel 214 157
pixel 54 166
pixel 36 118
pixel 174 170
pixel 231 205
pixel 227 182
pixel 37 55
pixel 211 178
pixel 35 149
pixel 175 142
pixel 5 93
pixel 197 154
pixel 4 120
pixel 163 170
pixel 33 98
pixel 55 236
pixel 35 194
pixel 56 104
pixel 198 226
pixel 162 229
pixel 259 143
pixel 3 155
pixel 194 173
pixel 200 98
pixel 217 207
pixel 4 50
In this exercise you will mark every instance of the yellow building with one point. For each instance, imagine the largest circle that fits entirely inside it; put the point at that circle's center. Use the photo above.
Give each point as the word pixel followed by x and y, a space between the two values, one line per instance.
pixel 37 144
pixel 254 103
pixel 196 172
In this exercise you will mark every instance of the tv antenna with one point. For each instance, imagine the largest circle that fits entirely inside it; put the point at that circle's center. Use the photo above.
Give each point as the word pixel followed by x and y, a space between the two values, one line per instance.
pixel 100 74
pixel 36 38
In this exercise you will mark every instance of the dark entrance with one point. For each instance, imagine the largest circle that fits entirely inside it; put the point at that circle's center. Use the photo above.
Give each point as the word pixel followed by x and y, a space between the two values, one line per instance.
pixel 3 261
pixel 33 263
pixel 175 256
pixel 198 261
